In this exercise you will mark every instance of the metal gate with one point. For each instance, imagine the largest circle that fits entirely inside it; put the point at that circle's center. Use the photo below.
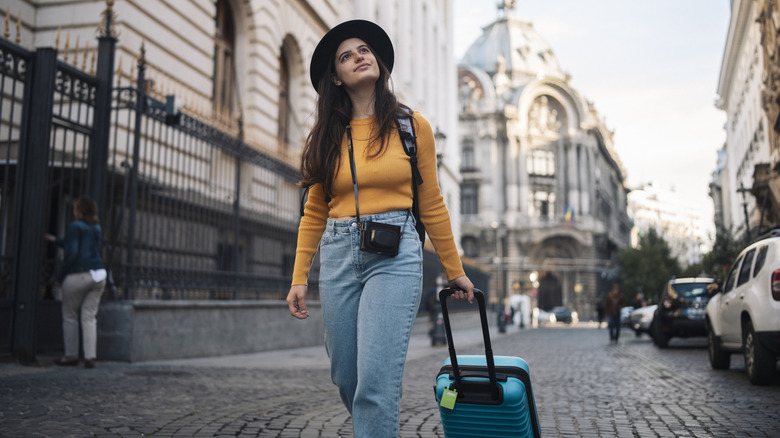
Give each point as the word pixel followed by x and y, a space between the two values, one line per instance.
pixel 47 109
pixel 188 210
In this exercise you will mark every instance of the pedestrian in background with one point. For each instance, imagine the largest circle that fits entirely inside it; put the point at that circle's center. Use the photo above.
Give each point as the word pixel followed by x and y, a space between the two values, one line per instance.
pixel 612 305
pixel 639 301
pixel 369 301
pixel 600 309
pixel 82 278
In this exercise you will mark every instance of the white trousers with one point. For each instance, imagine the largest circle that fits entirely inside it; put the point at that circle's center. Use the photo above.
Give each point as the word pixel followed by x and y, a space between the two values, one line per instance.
pixel 80 294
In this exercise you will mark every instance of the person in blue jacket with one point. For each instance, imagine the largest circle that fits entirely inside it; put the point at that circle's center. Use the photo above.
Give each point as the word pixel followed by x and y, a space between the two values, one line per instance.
pixel 82 277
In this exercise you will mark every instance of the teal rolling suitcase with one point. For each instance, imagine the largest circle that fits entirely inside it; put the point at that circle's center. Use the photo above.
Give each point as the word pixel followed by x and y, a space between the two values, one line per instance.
pixel 484 396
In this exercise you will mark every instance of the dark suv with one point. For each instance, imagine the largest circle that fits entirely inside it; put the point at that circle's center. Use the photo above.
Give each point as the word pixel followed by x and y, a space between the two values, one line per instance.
pixel 681 310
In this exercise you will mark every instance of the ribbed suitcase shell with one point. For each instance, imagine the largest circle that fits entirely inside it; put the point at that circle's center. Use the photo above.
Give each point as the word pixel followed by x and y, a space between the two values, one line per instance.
pixel 515 417
pixel 506 409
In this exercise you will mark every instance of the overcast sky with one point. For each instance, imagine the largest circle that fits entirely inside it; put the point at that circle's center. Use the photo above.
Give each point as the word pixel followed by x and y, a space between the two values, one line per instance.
pixel 651 69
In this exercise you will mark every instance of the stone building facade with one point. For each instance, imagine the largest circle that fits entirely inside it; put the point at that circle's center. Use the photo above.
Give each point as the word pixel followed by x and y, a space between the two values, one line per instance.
pixel 680 224
pixel 766 184
pixel 746 183
pixel 543 198
pixel 243 64
pixel 739 88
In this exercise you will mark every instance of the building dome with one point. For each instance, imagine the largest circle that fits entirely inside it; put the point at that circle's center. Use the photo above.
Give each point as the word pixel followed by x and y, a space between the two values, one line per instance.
pixel 518 46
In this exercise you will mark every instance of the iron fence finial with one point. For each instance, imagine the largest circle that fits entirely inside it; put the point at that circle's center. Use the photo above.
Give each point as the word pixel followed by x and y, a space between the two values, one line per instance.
pixel 119 73
pixel 142 53
pixel 19 28
pixel 84 58
pixel 92 62
pixel 67 43
pixel 75 52
pixel 107 26
pixel 7 33
pixel 132 73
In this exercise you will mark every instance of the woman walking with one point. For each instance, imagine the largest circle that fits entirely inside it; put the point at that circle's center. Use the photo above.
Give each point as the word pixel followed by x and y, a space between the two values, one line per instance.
pixel 358 176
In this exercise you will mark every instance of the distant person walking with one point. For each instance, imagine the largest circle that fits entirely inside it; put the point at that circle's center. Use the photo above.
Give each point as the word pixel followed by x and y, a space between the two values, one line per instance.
pixel 639 301
pixel 612 305
pixel 600 309
pixel 83 279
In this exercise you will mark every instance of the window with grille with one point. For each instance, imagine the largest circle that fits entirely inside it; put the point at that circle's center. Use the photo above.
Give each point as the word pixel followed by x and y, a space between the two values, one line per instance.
pixel 468 158
pixel 541 163
pixel 469 199
pixel 224 64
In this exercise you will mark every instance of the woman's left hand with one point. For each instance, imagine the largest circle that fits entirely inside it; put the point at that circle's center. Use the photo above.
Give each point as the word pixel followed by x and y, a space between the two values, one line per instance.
pixel 465 289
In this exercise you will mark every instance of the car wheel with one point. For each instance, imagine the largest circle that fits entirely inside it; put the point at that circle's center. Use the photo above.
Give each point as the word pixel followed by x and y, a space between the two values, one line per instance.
pixel 661 339
pixel 759 362
pixel 719 358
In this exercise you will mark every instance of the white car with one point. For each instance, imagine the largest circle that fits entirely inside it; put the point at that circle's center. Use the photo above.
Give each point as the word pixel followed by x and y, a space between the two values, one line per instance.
pixel 641 319
pixel 743 316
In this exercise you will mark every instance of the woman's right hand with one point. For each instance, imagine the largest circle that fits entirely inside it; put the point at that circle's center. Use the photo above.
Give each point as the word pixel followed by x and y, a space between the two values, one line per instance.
pixel 49 237
pixel 296 301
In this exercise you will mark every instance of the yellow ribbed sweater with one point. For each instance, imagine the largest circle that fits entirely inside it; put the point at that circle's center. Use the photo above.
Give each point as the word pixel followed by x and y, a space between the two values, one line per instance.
pixel 384 184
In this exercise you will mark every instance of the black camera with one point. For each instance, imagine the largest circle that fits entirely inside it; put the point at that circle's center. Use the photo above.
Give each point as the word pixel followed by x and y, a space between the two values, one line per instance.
pixel 379 238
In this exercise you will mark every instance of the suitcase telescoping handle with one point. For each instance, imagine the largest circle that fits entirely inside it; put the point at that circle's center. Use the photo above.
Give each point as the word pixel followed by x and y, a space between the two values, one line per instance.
pixel 480 297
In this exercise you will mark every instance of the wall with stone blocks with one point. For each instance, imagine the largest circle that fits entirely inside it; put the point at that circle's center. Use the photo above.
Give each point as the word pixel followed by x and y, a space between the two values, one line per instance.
pixel 153 330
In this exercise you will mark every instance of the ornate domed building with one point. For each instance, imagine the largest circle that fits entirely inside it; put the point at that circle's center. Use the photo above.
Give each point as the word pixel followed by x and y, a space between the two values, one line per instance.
pixel 543 194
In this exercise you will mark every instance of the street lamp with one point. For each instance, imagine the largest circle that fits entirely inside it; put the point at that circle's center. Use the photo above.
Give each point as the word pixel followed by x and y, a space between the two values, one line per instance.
pixel 439 138
pixel 499 260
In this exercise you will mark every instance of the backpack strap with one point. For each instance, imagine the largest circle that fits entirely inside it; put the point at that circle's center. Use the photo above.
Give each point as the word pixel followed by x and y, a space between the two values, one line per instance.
pixel 409 140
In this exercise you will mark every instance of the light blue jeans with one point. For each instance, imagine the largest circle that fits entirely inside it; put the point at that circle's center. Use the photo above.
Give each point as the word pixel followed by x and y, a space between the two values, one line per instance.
pixel 369 303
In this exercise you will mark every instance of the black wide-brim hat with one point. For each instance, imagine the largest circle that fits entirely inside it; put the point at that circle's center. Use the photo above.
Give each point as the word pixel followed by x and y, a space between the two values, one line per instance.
pixel 367 31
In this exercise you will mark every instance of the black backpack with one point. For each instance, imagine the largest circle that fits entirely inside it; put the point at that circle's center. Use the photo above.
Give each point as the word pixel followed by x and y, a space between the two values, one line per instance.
pixel 409 141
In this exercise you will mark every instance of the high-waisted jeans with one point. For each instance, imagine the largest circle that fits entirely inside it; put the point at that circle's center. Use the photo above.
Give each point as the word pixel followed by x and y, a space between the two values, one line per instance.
pixel 369 303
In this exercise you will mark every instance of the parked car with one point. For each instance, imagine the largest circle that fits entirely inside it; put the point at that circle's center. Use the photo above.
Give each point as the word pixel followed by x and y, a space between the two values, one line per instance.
pixel 564 314
pixel 641 319
pixel 541 317
pixel 744 315
pixel 680 311
pixel 625 316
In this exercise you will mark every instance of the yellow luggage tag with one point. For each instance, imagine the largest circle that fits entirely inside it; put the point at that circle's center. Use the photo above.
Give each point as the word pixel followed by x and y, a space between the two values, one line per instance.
pixel 448 398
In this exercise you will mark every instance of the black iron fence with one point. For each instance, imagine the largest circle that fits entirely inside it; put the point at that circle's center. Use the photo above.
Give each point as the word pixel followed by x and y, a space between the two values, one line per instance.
pixel 193 212
pixel 189 211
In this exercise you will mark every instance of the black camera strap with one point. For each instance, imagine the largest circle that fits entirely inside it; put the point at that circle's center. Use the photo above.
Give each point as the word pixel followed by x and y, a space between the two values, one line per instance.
pixel 354 173
pixel 354 181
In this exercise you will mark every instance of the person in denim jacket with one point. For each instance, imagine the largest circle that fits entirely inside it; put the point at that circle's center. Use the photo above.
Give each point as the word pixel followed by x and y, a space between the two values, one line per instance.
pixel 82 278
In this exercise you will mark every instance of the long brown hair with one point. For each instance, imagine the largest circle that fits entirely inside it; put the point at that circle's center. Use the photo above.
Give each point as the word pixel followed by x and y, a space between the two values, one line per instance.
pixel 321 156
pixel 86 210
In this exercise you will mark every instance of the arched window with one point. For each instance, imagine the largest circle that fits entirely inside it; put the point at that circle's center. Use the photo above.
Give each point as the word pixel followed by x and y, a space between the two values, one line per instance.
pixel 291 132
pixel 225 95
pixel 284 95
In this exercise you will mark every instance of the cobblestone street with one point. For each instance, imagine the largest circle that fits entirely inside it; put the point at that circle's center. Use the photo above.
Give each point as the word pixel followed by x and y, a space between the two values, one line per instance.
pixel 583 387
